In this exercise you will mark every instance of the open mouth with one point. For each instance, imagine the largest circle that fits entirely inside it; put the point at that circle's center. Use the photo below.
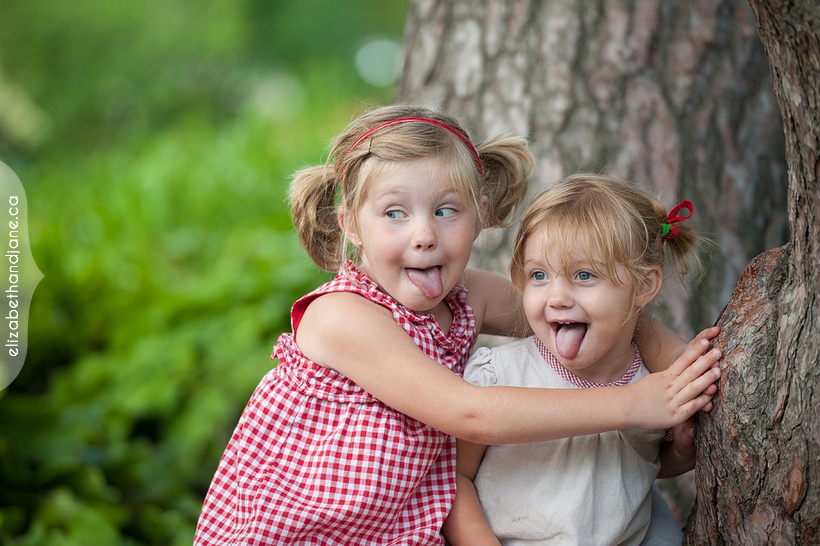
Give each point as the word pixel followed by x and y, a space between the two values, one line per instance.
pixel 428 281
pixel 568 337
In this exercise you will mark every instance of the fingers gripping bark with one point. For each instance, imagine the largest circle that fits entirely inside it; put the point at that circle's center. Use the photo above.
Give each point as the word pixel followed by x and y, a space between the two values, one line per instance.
pixel 668 398
pixel 694 386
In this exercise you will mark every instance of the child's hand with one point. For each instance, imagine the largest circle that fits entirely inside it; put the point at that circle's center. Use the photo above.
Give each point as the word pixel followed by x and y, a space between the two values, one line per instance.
pixel 666 399
pixel 677 455
pixel 707 334
pixel 683 440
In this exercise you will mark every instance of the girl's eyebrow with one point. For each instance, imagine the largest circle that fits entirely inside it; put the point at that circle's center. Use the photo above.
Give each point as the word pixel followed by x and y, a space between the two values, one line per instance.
pixel 387 193
pixel 535 264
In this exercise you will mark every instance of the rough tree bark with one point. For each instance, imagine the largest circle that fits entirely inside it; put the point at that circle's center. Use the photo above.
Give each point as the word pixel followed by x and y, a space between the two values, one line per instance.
pixel 759 451
pixel 674 95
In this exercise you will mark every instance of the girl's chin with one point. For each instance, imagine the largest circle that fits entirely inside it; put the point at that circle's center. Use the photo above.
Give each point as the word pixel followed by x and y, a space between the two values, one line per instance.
pixel 421 305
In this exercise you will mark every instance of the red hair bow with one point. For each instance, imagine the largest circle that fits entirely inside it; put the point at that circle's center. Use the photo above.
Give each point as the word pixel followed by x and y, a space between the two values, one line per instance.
pixel 670 230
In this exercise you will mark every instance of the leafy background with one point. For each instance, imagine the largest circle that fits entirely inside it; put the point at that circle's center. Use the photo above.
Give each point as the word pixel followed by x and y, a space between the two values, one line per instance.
pixel 155 141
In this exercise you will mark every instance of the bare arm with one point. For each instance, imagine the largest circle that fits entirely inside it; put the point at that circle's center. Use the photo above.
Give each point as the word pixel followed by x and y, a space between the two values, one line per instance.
pixel 374 352
pixel 659 346
pixel 466 524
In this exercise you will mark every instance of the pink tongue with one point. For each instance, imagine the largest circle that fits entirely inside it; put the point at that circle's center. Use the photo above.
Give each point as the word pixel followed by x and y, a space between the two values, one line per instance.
pixel 428 281
pixel 568 339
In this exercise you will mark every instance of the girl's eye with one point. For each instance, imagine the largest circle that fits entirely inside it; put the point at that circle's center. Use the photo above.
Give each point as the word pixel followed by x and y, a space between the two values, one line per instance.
pixel 445 211
pixel 395 214
pixel 538 276
pixel 584 275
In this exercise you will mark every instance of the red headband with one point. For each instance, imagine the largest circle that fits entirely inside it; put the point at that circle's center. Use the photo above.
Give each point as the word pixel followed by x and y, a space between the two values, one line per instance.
pixel 441 124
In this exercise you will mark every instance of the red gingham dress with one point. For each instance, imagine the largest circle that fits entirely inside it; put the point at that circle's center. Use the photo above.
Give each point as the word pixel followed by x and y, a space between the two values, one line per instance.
pixel 315 459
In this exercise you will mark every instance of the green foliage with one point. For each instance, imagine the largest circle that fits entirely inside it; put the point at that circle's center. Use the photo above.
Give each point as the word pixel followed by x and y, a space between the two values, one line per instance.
pixel 163 233
pixel 169 273
pixel 110 70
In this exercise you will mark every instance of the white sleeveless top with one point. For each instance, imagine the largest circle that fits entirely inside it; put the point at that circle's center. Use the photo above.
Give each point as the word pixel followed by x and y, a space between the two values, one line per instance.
pixel 594 489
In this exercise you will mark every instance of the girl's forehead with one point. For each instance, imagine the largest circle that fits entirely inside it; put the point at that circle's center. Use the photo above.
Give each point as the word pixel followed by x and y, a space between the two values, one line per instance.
pixel 410 182
pixel 569 244
pixel 430 176
pixel 562 251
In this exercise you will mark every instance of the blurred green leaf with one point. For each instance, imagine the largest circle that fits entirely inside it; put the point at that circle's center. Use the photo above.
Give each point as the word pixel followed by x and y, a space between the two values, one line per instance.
pixel 158 216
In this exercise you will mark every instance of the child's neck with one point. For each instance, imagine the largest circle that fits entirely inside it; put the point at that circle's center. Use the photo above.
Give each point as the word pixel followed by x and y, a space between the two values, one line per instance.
pixel 443 315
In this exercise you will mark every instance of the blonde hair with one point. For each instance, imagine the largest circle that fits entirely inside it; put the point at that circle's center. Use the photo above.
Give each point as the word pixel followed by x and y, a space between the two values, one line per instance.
pixel 316 193
pixel 613 217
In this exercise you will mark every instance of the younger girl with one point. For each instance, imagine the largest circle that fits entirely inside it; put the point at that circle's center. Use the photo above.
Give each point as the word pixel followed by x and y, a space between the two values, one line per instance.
pixel 349 440
pixel 588 262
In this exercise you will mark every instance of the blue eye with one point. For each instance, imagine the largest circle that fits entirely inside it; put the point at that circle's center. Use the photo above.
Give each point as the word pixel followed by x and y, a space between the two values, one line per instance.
pixel 538 276
pixel 395 214
pixel 584 276
pixel 445 211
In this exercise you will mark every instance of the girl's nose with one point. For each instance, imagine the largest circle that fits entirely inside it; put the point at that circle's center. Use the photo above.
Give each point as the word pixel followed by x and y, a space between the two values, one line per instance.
pixel 559 294
pixel 424 237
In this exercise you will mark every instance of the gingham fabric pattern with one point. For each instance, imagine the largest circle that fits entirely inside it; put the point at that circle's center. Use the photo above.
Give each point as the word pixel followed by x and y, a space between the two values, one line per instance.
pixel 315 459
pixel 573 379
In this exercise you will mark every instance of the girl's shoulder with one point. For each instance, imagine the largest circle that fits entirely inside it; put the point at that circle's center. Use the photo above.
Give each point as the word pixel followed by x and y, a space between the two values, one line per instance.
pixel 337 325
pixel 476 280
pixel 349 281
pixel 507 353
pixel 496 304
pixel 502 364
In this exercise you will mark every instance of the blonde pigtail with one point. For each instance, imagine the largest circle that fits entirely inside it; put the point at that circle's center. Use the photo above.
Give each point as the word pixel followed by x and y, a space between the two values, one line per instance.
pixel 313 210
pixel 682 245
pixel 507 164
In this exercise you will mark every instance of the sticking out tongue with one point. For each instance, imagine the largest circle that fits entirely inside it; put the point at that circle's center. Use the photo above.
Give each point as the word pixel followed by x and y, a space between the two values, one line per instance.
pixel 428 281
pixel 568 339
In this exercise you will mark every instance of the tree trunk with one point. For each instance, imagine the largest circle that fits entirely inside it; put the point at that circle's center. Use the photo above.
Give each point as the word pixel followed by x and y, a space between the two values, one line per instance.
pixel 673 95
pixel 759 451
pixel 676 96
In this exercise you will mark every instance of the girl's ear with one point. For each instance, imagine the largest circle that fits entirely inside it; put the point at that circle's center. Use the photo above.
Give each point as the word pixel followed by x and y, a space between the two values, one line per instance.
pixel 347 228
pixel 649 288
